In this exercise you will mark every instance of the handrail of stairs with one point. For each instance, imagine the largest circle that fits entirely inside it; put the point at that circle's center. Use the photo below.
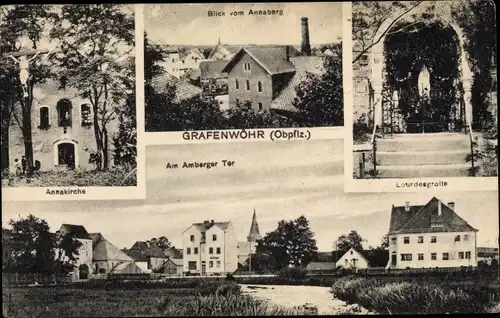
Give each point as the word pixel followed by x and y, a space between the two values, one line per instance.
pixel 471 140
pixel 373 142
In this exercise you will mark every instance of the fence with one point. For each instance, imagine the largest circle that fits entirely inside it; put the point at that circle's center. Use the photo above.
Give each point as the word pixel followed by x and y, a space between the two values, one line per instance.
pixel 11 279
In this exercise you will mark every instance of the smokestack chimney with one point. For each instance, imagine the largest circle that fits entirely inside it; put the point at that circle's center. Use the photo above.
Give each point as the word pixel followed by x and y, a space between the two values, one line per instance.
pixel 451 205
pixel 407 206
pixel 287 52
pixel 306 45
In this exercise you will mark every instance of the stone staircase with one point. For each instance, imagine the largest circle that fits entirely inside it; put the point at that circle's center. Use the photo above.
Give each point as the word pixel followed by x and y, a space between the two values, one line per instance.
pixel 423 155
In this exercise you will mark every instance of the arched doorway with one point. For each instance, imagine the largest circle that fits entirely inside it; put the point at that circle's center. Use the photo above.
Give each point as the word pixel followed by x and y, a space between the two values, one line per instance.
pixel 83 271
pixel 422 90
pixel 382 93
pixel 66 153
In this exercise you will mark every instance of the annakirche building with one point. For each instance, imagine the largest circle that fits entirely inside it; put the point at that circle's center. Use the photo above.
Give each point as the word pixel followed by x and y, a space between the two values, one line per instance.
pixel 266 76
pixel 430 236
pixel 62 130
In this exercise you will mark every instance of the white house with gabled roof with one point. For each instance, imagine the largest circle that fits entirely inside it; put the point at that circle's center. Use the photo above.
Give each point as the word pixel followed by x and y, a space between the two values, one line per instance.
pixel 209 248
pixel 430 236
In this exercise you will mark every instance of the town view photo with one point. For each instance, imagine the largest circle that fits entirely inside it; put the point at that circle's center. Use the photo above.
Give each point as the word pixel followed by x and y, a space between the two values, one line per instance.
pixel 279 237
pixel 262 66
pixel 68 95
pixel 424 89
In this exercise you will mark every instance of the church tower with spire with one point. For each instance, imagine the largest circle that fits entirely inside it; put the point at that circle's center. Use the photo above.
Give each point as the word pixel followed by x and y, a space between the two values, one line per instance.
pixel 254 234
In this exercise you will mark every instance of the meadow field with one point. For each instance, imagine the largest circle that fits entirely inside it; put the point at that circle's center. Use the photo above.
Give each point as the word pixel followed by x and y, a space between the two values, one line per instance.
pixel 220 297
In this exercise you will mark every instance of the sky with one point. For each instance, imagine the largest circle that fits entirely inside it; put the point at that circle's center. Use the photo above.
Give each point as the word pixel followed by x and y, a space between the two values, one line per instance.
pixel 189 24
pixel 296 178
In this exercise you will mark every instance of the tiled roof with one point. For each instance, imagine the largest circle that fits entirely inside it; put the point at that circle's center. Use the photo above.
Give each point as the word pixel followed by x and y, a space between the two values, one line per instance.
pixel 105 251
pixel 420 218
pixel 202 227
pixel 126 268
pixel 75 231
pixel 143 251
pixel 272 58
pixel 320 266
pixel 303 65
pixel 183 90
pixel 212 69
pixel 176 261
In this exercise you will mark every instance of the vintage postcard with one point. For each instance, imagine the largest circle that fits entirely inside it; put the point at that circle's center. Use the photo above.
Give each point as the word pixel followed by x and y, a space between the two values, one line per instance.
pixel 424 101
pixel 249 159
pixel 243 71
pixel 68 102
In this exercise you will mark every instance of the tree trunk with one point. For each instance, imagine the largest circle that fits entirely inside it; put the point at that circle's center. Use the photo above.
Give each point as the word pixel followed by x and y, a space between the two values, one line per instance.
pixel 28 142
pixel 97 131
pixel 105 144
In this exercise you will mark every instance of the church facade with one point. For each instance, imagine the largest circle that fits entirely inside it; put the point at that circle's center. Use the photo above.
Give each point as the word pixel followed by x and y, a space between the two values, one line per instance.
pixel 248 247
pixel 62 130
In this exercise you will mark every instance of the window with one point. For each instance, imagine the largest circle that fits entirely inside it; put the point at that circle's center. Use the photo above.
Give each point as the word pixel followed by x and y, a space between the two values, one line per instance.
pixel 246 66
pixel 214 237
pixel 64 113
pixel 191 238
pixel 406 257
pixel 195 250
pixel 466 237
pixel 173 60
pixel 236 84
pixel 393 240
pixel 260 106
pixel 44 113
pixel 248 85
pixel 433 239
pixel 85 111
pixel 446 256
pixel 211 264
pixel 457 238
pixel 218 264
pixel 192 265
pixel 467 255
pixel 460 255
pixel 218 250
pixel 259 86
pixel 420 256
pixel 433 256
pixel 420 239
pixel 406 240
pixel 188 250
pixel 210 250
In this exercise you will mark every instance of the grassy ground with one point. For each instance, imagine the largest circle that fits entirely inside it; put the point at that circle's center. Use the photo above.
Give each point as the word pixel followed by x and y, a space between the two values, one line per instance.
pixel 418 297
pixel 79 177
pixel 200 298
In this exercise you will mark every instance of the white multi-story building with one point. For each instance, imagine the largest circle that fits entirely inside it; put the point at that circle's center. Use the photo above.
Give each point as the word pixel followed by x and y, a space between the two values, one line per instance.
pixel 430 236
pixel 210 247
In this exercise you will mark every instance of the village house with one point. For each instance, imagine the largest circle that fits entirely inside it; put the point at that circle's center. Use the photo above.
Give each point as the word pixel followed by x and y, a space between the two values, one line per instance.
pixel 173 266
pixel 223 51
pixel 178 62
pixel 109 259
pixel 430 236
pixel 147 255
pixel 183 90
pixel 213 81
pixel 83 263
pixel 266 76
pixel 62 130
pixel 210 248
pixel 248 247
pixel 487 254
pixel 352 259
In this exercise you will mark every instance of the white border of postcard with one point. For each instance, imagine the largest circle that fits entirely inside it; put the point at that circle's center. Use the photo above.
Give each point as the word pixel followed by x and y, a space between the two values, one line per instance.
pixel 390 185
pixel 70 193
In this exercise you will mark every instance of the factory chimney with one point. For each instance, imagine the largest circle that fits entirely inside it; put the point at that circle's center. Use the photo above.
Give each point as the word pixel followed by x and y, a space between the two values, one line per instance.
pixel 305 47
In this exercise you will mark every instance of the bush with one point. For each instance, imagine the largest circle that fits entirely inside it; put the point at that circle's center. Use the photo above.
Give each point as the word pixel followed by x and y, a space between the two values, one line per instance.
pixel 292 273
pixel 361 130
pixel 414 297
pixel 227 289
